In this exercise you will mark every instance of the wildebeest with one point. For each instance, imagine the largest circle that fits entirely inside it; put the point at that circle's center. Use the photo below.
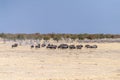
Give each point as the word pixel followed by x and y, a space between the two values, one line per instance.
pixel 94 46
pixel 51 46
pixel 79 46
pixel 63 46
pixel 37 46
pixel 32 46
pixel 43 45
pixel 72 47
pixel 89 46
pixel 14 45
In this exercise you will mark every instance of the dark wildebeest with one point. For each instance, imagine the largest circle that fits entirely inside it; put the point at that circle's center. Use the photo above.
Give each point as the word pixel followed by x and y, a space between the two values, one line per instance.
pixel 72 47
pixel 79 46
pixel 89 46
pixel 63 46
pixel 37 46
pixel 43 45
pixel 32 46
pixel 94 46
pixel 51 46
pixel 14 45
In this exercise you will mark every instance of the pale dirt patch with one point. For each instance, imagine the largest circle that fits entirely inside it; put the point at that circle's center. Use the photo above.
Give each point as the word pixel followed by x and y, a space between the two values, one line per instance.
pixel 24 63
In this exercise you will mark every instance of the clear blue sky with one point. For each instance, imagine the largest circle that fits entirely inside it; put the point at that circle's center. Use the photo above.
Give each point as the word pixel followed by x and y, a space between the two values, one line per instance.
pixel 60 16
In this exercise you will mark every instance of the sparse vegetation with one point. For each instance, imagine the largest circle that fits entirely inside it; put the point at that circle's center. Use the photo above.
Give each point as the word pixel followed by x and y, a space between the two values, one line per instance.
pixel 57 37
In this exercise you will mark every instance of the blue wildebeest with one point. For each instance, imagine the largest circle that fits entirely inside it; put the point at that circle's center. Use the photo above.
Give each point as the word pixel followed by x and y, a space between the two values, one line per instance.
pixel 79 46
pixel 72 47
pixel 51 46
pixel 89 46
pixel 63 46
pixel 15 45
pixel 37 46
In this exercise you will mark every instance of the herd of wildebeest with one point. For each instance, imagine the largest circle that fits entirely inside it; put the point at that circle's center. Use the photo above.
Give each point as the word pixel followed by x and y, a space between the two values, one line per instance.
pixel 61 46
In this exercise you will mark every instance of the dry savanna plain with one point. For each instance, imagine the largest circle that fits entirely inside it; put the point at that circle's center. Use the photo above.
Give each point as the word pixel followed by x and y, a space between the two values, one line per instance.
pixel 24 63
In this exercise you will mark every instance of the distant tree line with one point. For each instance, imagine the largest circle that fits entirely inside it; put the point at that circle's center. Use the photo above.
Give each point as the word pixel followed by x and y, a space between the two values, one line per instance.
pixel 57 37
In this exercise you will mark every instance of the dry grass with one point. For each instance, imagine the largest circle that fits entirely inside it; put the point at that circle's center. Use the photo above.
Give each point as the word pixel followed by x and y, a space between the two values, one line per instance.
pixel 23 63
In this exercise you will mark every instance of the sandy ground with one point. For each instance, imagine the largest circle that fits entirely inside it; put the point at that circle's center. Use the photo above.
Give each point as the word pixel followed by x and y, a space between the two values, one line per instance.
pixel 23 63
